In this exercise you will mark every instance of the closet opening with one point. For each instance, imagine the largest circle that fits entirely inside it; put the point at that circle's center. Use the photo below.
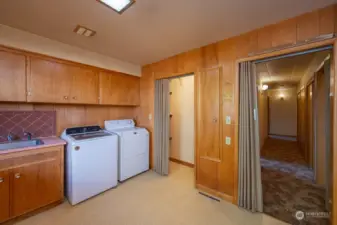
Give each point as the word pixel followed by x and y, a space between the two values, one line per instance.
pixel 291 123
pixel 174 101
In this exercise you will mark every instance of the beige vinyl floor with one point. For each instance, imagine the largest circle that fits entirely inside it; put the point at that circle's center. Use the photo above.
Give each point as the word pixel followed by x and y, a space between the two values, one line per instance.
pixel 150 199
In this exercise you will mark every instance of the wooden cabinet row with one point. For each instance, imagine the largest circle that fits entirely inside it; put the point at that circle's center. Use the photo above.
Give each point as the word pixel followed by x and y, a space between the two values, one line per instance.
pixel 40 79
pixel 29 181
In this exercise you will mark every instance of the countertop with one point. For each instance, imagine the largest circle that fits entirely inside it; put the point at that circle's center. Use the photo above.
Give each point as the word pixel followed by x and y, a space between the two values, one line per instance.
pixel 48 142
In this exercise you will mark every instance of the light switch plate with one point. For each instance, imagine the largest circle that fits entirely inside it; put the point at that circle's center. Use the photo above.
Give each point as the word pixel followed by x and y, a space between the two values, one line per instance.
pixel 150 116
pixel 228 120
pixel 228 141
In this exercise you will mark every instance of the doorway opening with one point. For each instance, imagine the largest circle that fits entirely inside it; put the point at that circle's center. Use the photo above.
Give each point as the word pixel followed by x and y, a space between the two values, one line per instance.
pixel 174 150
pixel 294 120
pixel 181 101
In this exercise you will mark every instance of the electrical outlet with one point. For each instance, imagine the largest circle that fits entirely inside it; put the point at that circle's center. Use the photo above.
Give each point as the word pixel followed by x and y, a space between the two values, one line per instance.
pixel 228 141
pixel 228 120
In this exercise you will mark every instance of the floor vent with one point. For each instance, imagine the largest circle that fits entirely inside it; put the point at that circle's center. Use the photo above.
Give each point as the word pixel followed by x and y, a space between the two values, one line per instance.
pixel 209 196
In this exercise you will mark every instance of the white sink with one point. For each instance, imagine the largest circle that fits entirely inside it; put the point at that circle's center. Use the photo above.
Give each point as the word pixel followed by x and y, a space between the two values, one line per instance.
pixel 20 144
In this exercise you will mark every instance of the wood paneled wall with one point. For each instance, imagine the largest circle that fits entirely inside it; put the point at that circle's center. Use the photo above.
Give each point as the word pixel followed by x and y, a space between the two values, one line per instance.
pixel 225 53
pixel 77 115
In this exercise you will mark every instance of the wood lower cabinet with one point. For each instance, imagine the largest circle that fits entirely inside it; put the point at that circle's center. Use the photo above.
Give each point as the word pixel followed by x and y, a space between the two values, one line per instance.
pixel 33 179
pixel 34 186
pixel 12 76
pixel 4 195
pixel 119 89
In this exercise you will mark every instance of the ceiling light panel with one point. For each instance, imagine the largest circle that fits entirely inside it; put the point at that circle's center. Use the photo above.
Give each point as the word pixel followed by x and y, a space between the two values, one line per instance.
pixel 117 5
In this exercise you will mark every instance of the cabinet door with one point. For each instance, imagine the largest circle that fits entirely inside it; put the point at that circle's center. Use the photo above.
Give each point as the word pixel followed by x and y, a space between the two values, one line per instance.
pixel 35 185
pixel 4 196
pixel 208 127
pixel 12 77
pixel 119 89
pixel 84 88
pixel 48 81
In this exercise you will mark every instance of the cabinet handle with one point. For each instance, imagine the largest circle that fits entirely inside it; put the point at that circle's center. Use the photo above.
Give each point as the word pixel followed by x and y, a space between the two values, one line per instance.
pixel 1 180
pixel 65 97
pixel 215 120
pixel 74 97
pixel 17 175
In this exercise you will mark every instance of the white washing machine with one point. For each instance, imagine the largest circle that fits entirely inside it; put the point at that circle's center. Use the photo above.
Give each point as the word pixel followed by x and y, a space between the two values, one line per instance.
pixel 90 162
pixel 133 151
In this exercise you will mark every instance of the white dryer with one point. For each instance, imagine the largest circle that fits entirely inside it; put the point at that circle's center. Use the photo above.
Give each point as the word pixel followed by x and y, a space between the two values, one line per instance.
pixel 133 151
pixel 90 162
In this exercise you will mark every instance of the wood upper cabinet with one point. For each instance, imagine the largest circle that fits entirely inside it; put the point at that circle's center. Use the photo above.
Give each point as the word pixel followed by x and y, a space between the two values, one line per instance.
pixel 48 81
pixel 4 195
pixel 12 76
pixel 57 82
pixel 119 89
pixel 84 86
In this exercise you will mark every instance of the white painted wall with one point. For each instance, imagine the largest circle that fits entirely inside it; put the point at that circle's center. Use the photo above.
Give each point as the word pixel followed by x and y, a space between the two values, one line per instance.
pixel 15 38
pixel 182 122
pixel 283 113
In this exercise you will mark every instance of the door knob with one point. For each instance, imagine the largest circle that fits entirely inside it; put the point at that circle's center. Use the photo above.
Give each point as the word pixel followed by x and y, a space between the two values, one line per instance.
pixel 17 175
pixel 1 180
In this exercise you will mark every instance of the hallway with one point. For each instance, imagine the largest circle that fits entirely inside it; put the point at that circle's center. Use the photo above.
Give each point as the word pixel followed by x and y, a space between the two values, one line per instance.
pixel 288 184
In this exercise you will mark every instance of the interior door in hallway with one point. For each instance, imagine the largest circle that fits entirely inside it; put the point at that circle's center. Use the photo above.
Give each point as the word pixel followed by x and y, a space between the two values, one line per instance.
pixel 328 136
pixel 310 122
pixel 208 127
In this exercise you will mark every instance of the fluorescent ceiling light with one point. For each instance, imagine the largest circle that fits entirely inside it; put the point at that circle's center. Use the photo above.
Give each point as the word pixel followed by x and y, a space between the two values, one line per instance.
pixel 118 5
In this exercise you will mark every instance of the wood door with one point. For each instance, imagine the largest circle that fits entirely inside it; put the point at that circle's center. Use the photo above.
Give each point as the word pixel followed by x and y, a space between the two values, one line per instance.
pixel 35 185
pixel 48 81
pixel 208 127
pixel 12 77
pixel 119 89
pixel 310 122
pixel 4 196
pixel 84 88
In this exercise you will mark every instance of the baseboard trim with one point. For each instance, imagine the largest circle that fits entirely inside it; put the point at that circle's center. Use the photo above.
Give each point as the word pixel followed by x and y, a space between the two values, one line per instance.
pixel 182 162
pixel 214 193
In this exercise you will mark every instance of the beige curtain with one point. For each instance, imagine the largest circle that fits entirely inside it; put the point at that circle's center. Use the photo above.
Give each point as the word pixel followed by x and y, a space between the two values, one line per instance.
pixel 161 127
pixel 250 184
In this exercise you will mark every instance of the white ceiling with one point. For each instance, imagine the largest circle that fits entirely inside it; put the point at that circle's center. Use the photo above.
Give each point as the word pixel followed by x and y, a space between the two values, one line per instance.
pixel 150 30
pixel 289 71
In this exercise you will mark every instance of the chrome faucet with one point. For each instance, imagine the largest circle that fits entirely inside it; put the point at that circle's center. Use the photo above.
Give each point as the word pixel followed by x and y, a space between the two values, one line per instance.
pixel 10 137
pixel 29 135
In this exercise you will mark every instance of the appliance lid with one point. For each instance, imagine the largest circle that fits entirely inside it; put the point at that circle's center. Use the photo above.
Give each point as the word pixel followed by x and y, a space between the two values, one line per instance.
pixel 82 130
pixel 119 124
pixel 85 136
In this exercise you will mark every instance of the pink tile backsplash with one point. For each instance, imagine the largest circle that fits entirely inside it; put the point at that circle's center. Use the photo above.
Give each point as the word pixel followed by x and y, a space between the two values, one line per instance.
pixel 38 123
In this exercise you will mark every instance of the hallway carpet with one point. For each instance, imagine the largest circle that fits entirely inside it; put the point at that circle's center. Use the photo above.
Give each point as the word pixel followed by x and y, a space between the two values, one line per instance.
pixel 288 184
pixel 150 199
